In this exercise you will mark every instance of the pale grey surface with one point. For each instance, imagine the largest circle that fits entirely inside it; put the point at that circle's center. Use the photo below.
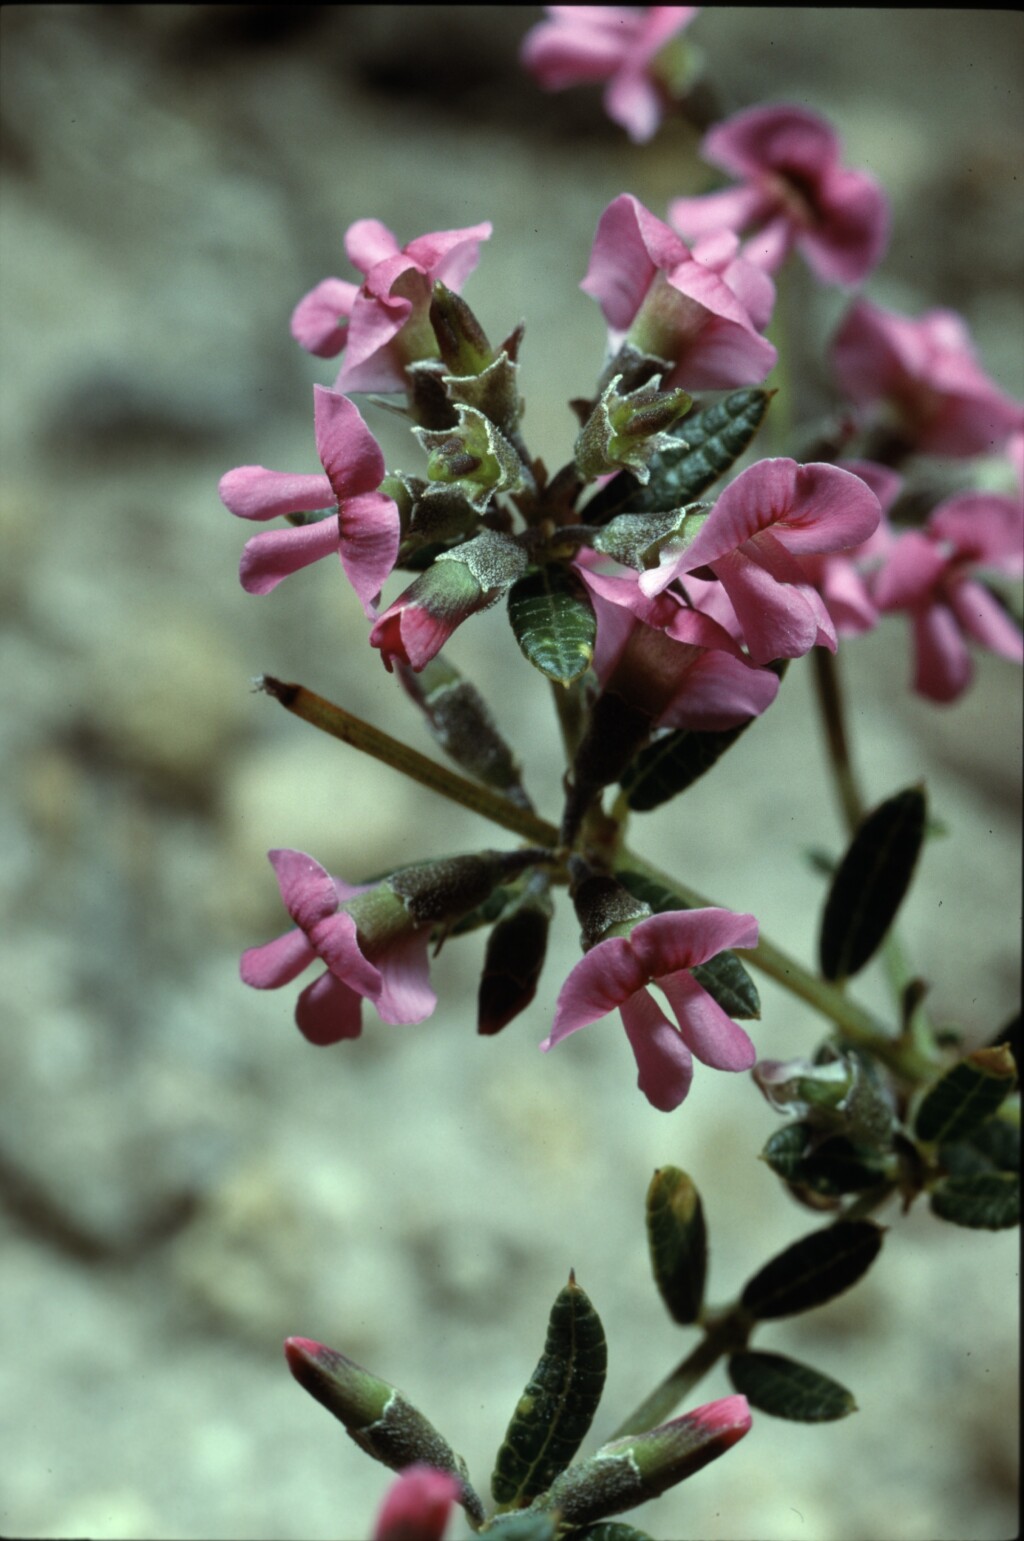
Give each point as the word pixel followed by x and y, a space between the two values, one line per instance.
pixel 170 189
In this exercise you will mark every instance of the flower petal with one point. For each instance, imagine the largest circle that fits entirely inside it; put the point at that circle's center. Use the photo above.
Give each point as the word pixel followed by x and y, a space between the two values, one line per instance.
pixel 405 994
pixel 277 963
pixel 605 977
pixel 253 492
pixel 269 558
pixel 328 1011
pixel 336 940
pixel 307 888
pixel 712 1034
pixel 348 451
pixel 983 618
pixel 942 665
pixel 320 319
pixel 678 939
pixel 664 1062
pixel 370 536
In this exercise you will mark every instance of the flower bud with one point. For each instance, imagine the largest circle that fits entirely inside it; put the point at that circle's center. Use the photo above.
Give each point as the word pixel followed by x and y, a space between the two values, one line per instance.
pixel 626 429
pixel 515 955
pixel 605 908
pixel 462 724
pixel 437 891
pixel 632 1470
pixel 414 629
pixel 375 1415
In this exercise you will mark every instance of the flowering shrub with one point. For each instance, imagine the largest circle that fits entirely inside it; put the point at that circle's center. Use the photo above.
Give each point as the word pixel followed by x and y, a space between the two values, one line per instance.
pixel 664 615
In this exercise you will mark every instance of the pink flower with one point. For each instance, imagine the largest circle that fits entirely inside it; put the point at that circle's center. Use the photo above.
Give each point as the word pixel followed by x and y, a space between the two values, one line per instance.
pixel 661 950
pixel 840 577
pixel 384 324
pixel 699 311
pixel 681 668
pixel 794 193
pixel 581 44
pixel 753 539
pixel 455 586
pixel 417 1505
pixel 380 957
pixel 928 573
pixel 364 530
pixel 927 373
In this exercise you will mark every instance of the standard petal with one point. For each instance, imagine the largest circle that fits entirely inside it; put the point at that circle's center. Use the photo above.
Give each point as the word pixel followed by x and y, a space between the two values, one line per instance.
pixel 253 492
pixel 368 242
pixel 679 939
pixel 913 567
pixel 608 975
pixel 664 1062
pixel 771 138
pixel 779 619
pixel 405 994
pixel 276 963
pixel 983 618
pixel 449 256
pixel 987 527
pixel 814 507
pixel 276 554
pixel 712 1035
pixel 348 451
pixel 328 1011
pixel 630 245
pixel 307 888
pixel 734 208
pixel 720 692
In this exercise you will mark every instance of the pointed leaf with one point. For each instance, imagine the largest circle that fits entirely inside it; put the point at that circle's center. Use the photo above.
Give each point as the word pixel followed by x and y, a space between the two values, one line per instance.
pixel 870 884
pixel 709 442
pixel 612 1530
pixel 785 1388
pixel 723 976
pixel 966 1095
pixel 553 621
pixel 555 1411
pixel 813 1270
pixel 677 1237
pixel 988 1201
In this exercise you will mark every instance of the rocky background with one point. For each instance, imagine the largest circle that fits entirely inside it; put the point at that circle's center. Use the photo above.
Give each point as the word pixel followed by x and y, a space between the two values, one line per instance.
pixel 183 1181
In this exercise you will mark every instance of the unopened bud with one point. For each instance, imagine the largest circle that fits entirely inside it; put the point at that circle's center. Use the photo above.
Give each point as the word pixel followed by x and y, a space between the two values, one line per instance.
pixel 461 339
pixel 474 457
pixel 627 428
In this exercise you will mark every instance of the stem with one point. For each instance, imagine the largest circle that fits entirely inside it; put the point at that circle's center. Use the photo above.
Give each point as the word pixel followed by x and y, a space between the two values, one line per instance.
pixel 726 1334
pixel 829 694
pixel 339 723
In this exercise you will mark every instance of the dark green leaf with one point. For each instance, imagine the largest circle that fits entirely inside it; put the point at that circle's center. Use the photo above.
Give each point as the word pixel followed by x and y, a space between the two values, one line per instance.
pixel 787 1389
pixel 834 1166
pixel 723 976
pixel 709 442
pixel 813 1270
pixel 674 762
pixel 553 621
pixel 870 884
pixel 555 1411
pixel 993 1147
pixel 966 1095
pixel 989 1201
pixel 677 1237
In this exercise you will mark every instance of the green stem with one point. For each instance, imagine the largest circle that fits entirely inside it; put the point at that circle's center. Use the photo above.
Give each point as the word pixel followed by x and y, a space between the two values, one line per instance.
pixel 341 724
pixel 728 1332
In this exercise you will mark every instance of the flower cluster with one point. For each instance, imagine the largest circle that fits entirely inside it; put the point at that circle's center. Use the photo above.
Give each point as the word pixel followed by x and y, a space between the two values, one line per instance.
pixel 665 612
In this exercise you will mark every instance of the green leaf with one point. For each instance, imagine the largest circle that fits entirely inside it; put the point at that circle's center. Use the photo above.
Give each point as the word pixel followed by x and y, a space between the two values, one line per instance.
pixel 709 443
pixel 988 1201
pixel 723 976
pixel 526 1525
pixel 672 763
pixel 993 1147
pixel 813 1270
pixel 832 1167
pixel 555 1411
pixel 677 1237
pixel 966 1095
pixel 787 1389
pixel 553 621
pixel 869 886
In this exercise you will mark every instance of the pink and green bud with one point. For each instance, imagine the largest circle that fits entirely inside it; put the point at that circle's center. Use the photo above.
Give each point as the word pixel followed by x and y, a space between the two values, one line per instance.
pixel 627 429
pixel 475 457
pixel 639 1467
pixel 376 1415
pixel 416 627
pixel 437 891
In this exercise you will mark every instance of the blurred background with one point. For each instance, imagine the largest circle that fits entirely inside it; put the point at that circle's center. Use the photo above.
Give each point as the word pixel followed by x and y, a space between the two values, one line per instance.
pixel 183 1181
